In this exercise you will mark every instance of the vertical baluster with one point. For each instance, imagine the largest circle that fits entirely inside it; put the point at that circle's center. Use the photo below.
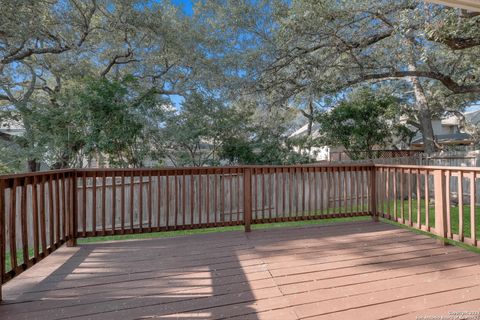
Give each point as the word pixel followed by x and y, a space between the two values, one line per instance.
pixel 427 200
pixel 200 183
pixel 122 204
pixel 24 221
pixel 460 206
pixel 84 204
pixel 57 208
pixel 114 201
pixel 140 200
pixel 395 196
pixel 192 198
pixel 184 200
pixel 43 222
pixel 159 199
pixel 207 191
pixel 419 200
pixel 177 195
pixel 36 245
pixel 473 231
pixel 132 200
pixel 410 209
pixel 12 225
pixel 103 204
pixel 448 203
pixel 51 213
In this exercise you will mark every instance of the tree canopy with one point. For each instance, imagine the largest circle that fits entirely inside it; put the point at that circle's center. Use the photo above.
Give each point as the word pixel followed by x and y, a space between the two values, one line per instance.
pixel 131 83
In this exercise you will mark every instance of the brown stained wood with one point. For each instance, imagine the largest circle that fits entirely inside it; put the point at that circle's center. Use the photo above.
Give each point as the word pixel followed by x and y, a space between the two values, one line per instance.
pixel 342 271
pixel 395 195
pixel 344 206
pixel 410 204
pixel 208 197
pixel 132 200
pixel 150 200
pixel 284 184
pixel 215 198
pixel 51 228
pixel 291 193
pixel 36 236
pixel 12 225
pixel 387 192
pixel 357 190
pixel 448 203
pixel 66 213
pixel 247 198
pixel 3 235
pixel 84 204
pixel 114 201
pixel 419 203
pixel 43 221
pixel 402 195
pixel 440 205
pixel 103 209
pixel 427 202
pixel 159 199
pixel 270 193
pixel 140 202
pixel 184 200
pixel 176 198
pixel 262 172
pixel 94 204
pixel 460 207
pixel 58 209
pixel 167 199
pixel 24 221
pixel 302 174
pixel 473 229
pixel 200 183
pixel 192 199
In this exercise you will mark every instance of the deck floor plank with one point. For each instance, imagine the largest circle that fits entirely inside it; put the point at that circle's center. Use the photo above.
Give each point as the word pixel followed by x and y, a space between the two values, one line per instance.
pixel 361 270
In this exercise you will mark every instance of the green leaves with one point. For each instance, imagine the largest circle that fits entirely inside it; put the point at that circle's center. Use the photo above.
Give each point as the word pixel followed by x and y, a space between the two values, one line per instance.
pixel 360 123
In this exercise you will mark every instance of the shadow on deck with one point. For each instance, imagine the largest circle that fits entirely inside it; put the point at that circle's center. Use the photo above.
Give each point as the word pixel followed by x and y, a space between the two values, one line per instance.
pixel 361 270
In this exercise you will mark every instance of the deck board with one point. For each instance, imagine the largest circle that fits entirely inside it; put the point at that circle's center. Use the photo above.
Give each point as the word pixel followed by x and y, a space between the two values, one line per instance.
pixel 361 270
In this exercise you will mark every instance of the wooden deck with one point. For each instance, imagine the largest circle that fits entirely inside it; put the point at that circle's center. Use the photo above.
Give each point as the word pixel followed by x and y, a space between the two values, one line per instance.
pixel 361 270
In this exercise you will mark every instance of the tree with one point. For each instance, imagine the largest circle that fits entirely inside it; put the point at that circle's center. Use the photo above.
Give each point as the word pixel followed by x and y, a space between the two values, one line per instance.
pixel 326 47
pixel 360 123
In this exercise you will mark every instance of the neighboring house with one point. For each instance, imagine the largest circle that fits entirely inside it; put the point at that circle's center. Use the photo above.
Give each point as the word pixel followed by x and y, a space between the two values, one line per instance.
pixel 451 132
pixel 317 153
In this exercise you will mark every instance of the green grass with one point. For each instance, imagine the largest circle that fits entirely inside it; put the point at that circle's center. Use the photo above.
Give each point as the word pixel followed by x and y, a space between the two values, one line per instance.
pixel 454 215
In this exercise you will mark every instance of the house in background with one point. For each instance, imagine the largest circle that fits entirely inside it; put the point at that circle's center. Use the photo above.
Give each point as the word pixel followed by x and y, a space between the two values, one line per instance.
pixel 452 132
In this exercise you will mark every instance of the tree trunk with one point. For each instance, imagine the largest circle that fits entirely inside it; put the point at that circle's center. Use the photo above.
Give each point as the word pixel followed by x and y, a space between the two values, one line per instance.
pixel 424 113
pixel 33 165
pixel 424 116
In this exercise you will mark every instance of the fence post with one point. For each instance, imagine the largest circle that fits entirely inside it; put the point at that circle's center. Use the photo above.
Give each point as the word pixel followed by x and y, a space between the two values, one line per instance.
pixel 72 221
pixel 2 234
pixel 247 198
pixel 373 194
pixel 440 204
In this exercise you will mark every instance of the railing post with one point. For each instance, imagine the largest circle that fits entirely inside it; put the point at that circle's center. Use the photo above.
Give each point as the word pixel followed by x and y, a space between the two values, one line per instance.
pixel 73 219
pixel 247 198
pixel 2 234
pixel 373 194
pixel 440 204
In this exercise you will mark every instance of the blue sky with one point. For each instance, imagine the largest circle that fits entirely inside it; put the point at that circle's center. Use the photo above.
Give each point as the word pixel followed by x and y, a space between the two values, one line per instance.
pixel 186 5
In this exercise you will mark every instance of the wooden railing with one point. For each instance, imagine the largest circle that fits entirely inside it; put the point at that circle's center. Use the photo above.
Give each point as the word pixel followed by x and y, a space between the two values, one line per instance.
pixel 441 200
pixel 41 211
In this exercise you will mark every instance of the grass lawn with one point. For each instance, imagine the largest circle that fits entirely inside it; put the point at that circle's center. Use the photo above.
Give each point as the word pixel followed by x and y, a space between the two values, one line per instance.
pixel 454 215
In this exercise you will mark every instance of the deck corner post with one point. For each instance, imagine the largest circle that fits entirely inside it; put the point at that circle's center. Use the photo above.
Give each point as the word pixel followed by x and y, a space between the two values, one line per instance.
pixel 373 194
pixel 247 198
pixel 440 205
pixel 73 219
pixel 2 234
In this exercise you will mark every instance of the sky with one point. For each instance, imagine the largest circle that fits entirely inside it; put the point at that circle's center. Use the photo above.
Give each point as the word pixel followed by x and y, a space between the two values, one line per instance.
pixel 186 5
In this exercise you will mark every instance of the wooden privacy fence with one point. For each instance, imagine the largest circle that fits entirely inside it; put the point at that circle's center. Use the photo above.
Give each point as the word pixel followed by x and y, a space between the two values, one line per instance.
pixel 41 211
